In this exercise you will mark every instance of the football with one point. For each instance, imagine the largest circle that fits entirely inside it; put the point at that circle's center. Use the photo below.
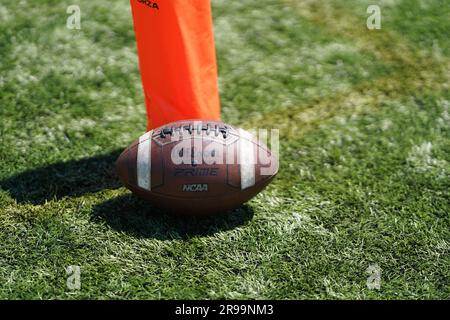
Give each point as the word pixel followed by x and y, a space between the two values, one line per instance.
pixel 197 167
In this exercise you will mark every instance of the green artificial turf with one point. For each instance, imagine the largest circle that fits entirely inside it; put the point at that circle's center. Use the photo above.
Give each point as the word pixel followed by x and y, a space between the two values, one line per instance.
pixel 365 155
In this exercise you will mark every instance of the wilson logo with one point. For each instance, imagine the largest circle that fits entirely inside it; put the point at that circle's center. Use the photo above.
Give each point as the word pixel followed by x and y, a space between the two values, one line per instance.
pixel 204 172
pixel 150 4
pixel 195 187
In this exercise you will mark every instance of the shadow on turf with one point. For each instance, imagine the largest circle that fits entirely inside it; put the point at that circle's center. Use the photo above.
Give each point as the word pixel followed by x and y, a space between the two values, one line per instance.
pixel 126 213
pixel 71 178
pixel 137 218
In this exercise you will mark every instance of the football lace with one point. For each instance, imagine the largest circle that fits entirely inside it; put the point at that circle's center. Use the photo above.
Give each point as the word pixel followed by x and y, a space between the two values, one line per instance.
pixel 199 128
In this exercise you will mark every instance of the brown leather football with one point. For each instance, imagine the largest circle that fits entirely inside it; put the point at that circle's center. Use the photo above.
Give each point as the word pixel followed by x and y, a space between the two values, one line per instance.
pixel 197 167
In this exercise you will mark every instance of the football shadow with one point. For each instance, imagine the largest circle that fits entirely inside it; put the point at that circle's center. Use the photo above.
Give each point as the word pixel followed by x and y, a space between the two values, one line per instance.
pixel 135 217
pixel 126 213
pixel 71 178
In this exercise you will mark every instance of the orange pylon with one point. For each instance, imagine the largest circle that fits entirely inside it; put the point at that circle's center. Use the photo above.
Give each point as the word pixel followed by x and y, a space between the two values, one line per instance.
pixel 177 59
